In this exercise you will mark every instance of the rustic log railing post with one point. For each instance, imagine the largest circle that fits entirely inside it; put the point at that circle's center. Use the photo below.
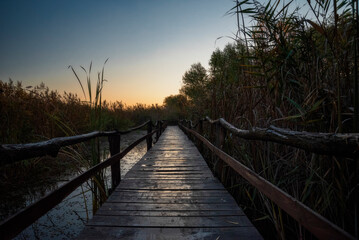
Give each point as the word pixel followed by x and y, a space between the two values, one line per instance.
pixel 212 136
pixel 220 136
pixel 200 131
pixel 115 144
pixel 161 126
pixel 158 132
pixel 149 138
pixel 222 146
pixel 190 127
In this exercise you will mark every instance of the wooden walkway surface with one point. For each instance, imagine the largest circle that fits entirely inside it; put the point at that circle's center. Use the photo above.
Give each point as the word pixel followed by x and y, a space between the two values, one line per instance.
pixel 170 194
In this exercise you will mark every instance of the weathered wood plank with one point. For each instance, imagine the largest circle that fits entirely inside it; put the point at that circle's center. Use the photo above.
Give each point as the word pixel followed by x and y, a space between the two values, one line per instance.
pixel 209 181
pixel 169 176
pixel 111 233
pixel 173 207
pixel 170 168
pixel 141 221
pixel 173 182
pixel 170 200
pixel 175 194
pixel 171 213
pixel 172 186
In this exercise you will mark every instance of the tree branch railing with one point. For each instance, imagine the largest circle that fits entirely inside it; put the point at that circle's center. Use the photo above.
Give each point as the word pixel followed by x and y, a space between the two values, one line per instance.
pixel 337 144
pixel 314 222
pixel 10 153
pixel 13 225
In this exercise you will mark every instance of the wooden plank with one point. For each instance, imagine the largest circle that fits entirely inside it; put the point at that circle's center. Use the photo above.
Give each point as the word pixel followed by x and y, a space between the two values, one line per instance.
pixel 172 164
pixel 172 186
pixel 173 158
pixel 112 233
pixel 209 181
pixel 171 213
pixel 169 176
pixel 170 200
pixel 171 168
pixel 154 173
pixel 164 207
pixel 170 194
pixel 142 221
pixel 174 194
pixel 173 182
pixel 160 169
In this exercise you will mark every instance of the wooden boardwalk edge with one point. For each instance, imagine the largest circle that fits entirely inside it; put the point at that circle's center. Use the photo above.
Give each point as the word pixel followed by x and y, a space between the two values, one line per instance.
pixel 170 194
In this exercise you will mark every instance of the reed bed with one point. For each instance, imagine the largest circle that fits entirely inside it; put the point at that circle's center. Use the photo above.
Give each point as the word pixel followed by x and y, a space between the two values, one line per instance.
pixel 293 69
pixel 35 113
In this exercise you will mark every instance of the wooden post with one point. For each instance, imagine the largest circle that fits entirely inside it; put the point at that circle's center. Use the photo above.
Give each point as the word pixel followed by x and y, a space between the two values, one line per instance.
pixel 193 138
pixel 212 136
pixel 219 142
pixel 158 132
pixel 149 138
pixel 160 128
pixel 222 142
pixel 189 134
pixel 115 143
pixel 200 131
pixel 222 137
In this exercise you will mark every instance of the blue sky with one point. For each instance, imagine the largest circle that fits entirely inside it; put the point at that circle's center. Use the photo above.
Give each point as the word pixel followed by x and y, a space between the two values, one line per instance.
pixel 150 44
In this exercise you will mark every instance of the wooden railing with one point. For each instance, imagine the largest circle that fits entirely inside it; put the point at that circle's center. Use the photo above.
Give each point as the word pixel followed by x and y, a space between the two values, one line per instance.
pixel 11 153
pixel 324 143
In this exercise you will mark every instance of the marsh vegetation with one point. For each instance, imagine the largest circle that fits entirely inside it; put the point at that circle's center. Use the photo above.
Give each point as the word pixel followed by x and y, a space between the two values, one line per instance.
pixel 32 114
pixel 290 67
pixel 293 68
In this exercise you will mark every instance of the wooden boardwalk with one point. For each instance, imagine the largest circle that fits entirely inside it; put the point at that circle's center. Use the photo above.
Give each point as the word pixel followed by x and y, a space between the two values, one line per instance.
pixel 170 194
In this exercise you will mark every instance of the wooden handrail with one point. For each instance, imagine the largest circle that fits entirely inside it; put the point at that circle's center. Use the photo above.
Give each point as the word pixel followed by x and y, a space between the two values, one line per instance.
pixel 13 225
pixel 157 122
pixel 314 222
pixel 10 153
pixel 346 144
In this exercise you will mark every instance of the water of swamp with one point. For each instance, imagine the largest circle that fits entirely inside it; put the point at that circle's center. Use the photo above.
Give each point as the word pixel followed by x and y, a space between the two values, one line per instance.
pixel 25 183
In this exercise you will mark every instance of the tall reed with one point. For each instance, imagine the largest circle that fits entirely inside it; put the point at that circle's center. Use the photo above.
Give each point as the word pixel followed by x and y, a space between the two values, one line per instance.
pixel 96 121
pixel 295 70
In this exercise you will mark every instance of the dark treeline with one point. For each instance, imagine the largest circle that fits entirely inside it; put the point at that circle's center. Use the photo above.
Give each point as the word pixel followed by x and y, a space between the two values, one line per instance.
pixel 37 113
pixel 295 72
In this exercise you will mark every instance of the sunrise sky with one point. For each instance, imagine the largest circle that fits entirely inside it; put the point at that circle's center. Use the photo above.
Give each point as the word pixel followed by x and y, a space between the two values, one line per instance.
pixel 150 44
